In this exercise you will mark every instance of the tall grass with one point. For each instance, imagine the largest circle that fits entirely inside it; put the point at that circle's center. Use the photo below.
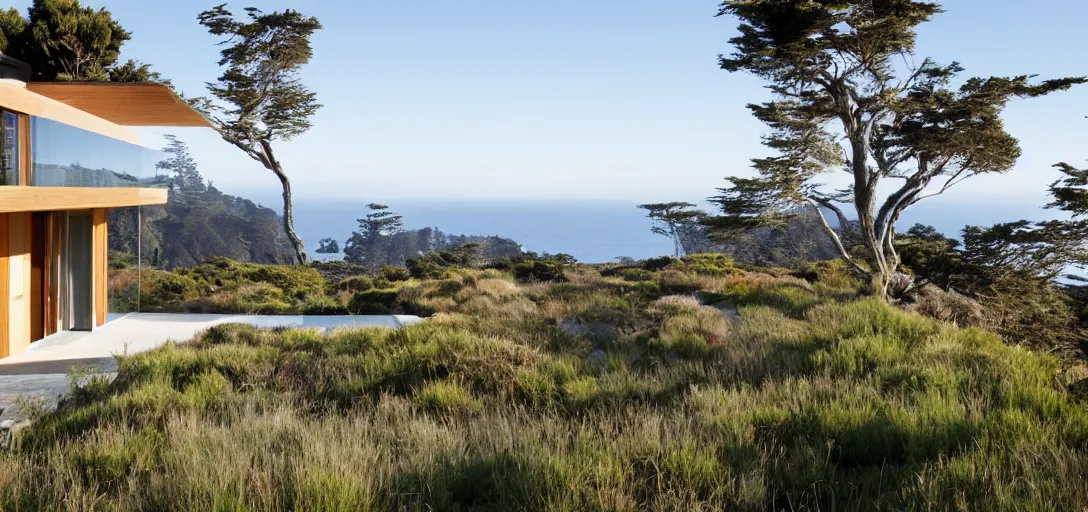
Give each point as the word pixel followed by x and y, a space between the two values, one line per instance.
pixel 811 400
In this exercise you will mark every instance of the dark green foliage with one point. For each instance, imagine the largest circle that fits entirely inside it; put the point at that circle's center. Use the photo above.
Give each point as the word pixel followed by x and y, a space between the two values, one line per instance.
pixel 355 284
pixel 715 265
pixel 294 282
pixel 832 272
pixel 65 41
pixel 659 263
pixel 926 252
pixel 1009 269
pixel 12 27
pixel 374 302
pixel 328 246
pixel 166 290
pixel 834 69
pixel 437 264
pixel 322 305
pixel 427 268
pixel 394 274
pixel 259 99
pixel 533 267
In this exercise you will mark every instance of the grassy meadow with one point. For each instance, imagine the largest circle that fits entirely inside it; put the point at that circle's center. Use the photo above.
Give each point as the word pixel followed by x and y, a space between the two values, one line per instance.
pixel 670 385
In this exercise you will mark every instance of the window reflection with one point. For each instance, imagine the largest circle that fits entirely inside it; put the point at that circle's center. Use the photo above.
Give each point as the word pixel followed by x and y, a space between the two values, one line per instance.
pixel 66 156
pixel 9 150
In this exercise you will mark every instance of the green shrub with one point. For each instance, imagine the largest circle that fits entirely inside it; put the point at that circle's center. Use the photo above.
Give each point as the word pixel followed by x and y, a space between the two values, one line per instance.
pixel 660 263
pixel 323 305
pixel 296 282
pixel 636 275
pixel 374 302
pixel 355 284
pixel 540 270
pixel 426 268
pixel 835 273
pixel 161 289
pixel 715 265
pixel 531 267
pixel 394 274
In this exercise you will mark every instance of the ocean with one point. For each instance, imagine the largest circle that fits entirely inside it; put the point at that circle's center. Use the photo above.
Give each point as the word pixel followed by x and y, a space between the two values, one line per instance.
pixel 591 231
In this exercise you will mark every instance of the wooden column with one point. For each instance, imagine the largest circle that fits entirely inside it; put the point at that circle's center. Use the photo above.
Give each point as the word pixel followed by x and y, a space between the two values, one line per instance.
pixel 99 218
pixel 15 283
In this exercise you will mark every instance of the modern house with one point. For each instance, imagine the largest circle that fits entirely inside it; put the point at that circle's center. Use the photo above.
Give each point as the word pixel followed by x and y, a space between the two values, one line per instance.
pixel 68 155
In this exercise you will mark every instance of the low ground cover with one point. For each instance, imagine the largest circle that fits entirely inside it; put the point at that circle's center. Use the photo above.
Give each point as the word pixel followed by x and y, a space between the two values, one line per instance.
pixel 670 386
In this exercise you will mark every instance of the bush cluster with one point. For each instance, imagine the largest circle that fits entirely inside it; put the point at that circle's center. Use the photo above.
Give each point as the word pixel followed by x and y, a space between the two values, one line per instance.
pixel 594 393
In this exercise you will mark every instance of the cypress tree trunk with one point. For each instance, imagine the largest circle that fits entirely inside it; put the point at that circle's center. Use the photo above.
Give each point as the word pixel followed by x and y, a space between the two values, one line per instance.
pixel 289 217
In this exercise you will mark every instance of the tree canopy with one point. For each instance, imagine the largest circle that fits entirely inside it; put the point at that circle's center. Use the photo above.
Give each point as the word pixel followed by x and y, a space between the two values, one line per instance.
pixel 260 99
pixel 850 95
pixel 670 219
pixel 63 40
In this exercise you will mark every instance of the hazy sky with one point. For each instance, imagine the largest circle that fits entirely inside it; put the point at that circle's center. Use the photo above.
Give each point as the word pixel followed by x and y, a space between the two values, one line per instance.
pixel 600 99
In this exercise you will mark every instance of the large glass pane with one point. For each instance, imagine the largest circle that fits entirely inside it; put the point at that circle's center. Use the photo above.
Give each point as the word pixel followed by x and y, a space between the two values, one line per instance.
pixel 66 156
pixel 9 150
pixel 124 251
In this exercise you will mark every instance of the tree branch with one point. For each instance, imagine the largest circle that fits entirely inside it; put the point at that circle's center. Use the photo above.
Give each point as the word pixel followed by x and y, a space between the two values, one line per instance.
pixel 834 236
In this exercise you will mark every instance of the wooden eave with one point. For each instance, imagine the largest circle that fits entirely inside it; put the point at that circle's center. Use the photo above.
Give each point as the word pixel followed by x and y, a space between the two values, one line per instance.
pixel 125 104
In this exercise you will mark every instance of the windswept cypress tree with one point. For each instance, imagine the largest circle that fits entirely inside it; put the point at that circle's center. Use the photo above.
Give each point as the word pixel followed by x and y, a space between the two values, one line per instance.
pixel 260 99
pixel 846 99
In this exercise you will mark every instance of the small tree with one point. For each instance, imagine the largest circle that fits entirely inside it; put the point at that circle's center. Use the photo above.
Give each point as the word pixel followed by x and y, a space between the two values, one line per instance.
pixel 259 99
pixel 328 246
pixel 1070 193
pixel 186 185
pixel 365 247
pixel 671 220
pixel 843 101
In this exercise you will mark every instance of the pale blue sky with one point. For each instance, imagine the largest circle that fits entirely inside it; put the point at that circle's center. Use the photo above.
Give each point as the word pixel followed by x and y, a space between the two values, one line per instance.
pixel 573 99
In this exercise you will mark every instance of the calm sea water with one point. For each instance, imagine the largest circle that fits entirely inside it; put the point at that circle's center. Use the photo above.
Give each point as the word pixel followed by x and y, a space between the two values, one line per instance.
pixel 592 231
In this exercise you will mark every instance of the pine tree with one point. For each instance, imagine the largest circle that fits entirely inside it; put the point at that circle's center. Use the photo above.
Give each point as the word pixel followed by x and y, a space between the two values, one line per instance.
pixel 843 101
pixel 671 219
pixel 367 245
pixel 259 99
pixel 62 40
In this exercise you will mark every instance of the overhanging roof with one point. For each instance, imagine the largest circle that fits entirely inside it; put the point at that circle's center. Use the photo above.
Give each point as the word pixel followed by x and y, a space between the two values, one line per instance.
pixel 126 104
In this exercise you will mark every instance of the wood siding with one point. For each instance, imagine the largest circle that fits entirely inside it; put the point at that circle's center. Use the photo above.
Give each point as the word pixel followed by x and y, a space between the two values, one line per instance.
pixel 38 199
pixel 15 279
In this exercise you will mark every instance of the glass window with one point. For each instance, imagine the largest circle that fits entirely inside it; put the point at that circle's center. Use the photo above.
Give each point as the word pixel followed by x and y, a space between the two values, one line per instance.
pixel 66 156
pixel 9 150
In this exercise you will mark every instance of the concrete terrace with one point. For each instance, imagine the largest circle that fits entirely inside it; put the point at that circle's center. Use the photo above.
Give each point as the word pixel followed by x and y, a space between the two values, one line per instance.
pixel 42 370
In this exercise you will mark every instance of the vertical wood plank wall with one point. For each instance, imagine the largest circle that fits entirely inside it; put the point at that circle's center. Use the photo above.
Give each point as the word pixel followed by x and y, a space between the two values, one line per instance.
pixel 15 278
pixel 100 265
